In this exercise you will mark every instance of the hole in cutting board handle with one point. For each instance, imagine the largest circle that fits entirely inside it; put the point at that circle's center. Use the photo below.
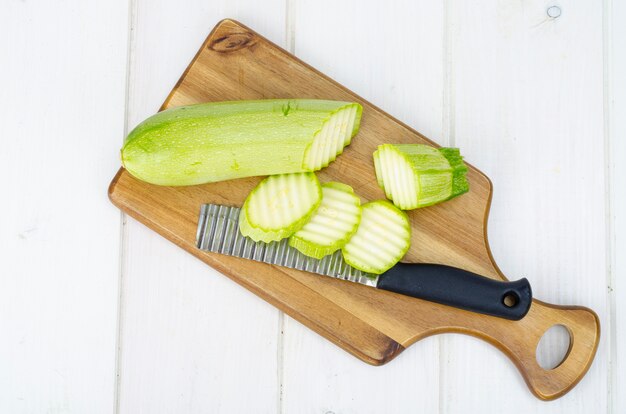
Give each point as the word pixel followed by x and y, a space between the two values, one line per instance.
pixel 553 347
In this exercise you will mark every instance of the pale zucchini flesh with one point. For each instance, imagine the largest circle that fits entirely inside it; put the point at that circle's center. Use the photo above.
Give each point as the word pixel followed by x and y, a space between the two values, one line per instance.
pixel 279 206
pixel 332 224
pixel 416 175
pixel 330 141
pixel 225 140
pixel 382 238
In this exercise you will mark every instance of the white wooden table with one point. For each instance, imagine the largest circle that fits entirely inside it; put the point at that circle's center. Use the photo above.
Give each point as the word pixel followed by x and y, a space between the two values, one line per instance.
pixel 100 315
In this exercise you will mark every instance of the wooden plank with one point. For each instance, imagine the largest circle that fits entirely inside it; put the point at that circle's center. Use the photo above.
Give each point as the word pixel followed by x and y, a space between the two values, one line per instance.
pixel 615 105
pixel 528 110
pixel 191 340
pixel 407 85
pixel 63 71
pixel 237 63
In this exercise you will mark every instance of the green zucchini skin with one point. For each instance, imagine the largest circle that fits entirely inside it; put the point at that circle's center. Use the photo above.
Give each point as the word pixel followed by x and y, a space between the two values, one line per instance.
pixel 219 141
pixel 417 175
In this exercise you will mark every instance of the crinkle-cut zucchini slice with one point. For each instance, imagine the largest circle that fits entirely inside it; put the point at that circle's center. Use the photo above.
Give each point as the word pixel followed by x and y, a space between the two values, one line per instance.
pixel 279 206
pixel 381 240
pixel 332 224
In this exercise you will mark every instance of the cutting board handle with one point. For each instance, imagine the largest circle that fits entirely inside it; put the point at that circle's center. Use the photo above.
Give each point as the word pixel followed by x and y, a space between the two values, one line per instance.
pixel 583 327
pixel 519 340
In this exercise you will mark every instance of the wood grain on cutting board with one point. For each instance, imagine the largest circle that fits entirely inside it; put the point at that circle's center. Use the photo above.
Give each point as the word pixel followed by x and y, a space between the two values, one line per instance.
pixel 236 63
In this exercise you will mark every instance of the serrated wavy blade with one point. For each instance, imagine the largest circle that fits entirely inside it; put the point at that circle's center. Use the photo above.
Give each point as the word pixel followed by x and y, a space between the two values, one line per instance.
pixel 218 232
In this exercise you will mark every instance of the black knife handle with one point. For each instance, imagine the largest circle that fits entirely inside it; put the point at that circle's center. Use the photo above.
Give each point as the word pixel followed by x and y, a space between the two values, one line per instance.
pixel 459 288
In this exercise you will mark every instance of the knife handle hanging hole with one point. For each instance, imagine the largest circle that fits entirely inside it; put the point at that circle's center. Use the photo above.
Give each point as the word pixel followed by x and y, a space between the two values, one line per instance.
pixel 510 300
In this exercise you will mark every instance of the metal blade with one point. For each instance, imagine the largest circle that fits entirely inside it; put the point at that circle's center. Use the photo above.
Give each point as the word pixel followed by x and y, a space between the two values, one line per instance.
pixel 218 232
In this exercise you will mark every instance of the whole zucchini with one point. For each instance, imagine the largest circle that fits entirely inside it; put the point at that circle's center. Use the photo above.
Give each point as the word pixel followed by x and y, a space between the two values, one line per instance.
pixel 224 140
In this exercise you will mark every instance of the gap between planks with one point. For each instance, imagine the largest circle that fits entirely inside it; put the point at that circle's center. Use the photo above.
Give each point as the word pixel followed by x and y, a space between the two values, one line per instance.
pixel 290 46
pixel 609 202
pixel 448 92
pixel 131 16
pixel 447 139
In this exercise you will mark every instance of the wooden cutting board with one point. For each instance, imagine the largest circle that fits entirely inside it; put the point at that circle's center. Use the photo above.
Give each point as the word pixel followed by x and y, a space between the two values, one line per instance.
pixel 236 63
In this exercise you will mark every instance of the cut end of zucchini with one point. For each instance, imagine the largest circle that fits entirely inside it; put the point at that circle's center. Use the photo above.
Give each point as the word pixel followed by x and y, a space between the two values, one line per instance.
pixel 279 206
pixel 330 141
pixel 415 175
pixel 381 240
pixel 332 224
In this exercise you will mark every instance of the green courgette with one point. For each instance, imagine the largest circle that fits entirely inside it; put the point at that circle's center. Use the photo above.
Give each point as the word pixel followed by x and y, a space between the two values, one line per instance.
pixel 225 140
pixel 416 175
